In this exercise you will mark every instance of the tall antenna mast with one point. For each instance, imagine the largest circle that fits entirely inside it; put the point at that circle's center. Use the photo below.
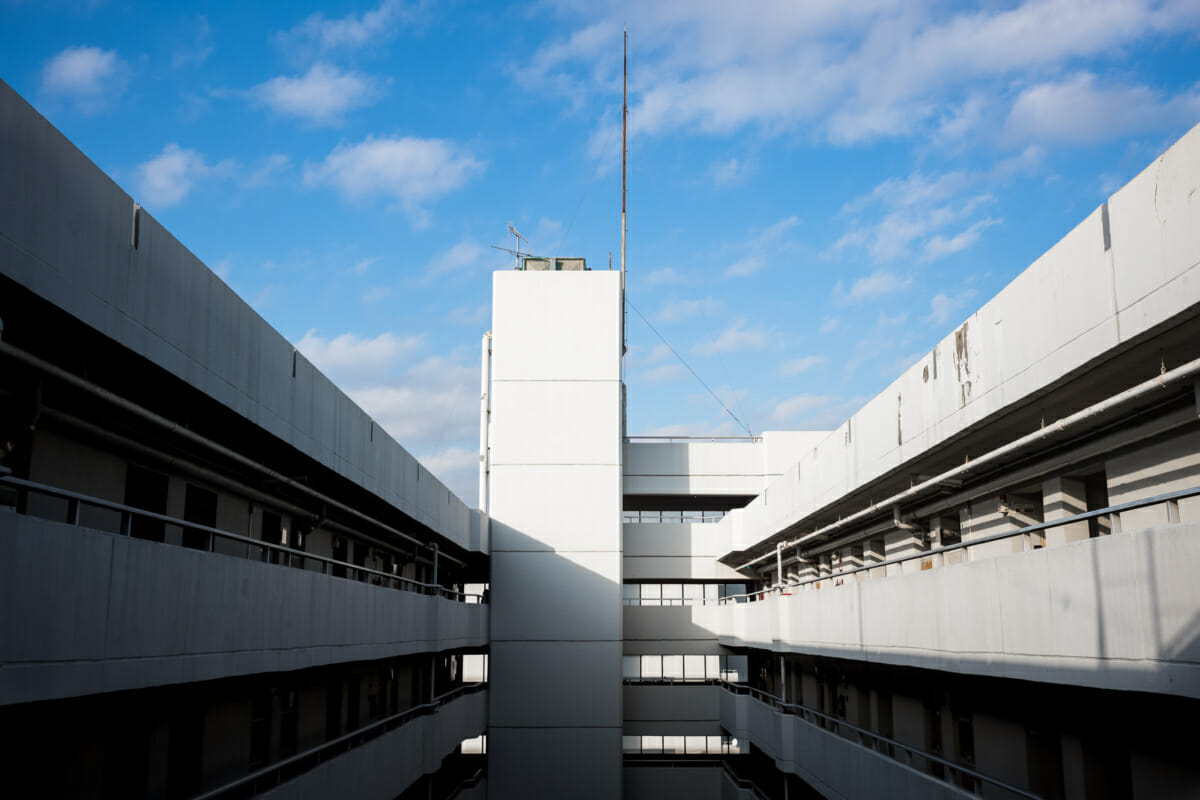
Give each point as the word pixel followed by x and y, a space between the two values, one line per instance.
pixel 624 118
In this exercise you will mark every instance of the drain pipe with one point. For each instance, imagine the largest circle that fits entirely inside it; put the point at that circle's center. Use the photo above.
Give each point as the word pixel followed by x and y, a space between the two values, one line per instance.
pixel 1178 375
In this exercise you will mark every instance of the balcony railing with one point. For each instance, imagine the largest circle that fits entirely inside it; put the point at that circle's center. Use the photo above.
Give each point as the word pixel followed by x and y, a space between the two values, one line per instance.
pixel 266 551
pixel 1170 499
pixel 938 767
pixel 685 439
pixel 672 517
pixel 271 776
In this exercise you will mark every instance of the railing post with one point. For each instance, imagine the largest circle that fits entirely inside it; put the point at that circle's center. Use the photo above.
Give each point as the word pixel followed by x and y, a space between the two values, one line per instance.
pixel 435 566
pixel 72 511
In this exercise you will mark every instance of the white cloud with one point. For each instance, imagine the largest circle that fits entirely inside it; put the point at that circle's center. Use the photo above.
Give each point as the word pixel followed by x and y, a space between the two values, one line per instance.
pixel 460 258
pixel 768 244
pixel 88 77
pixel 265 170
pixel 350 360
pixel 737 337
pixel 799 406
pixel 664 373
pixel 846 72
pixel 430 406
pixel 1082 109
pixel 664 276
pixel 377 293
pixel 676 310
pixel 942 305
pixel 876 284
pixel 465 315
pixel 166 179
pixel 458 468
pixel 745 266
pixel 798 365
pixel 197 47
pixel 733 171
pixel 408 170
pixel 360 267
pixel 435 403
pixel 318 34
pixel 640 355
pixel 915 208
pixel 829 324
pixel 545 230
pixel 321 96
pixel 939 245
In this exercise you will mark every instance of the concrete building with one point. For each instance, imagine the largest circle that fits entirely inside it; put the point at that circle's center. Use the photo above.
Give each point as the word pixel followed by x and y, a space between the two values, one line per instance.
pixel 219 577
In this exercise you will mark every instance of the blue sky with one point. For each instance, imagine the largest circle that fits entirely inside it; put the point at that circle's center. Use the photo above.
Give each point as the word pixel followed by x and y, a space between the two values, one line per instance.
pixel 817 194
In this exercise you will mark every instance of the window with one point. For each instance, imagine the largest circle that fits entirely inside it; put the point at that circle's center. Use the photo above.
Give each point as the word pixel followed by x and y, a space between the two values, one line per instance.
pixel 146 490
pixel 200 507
pixel 260 729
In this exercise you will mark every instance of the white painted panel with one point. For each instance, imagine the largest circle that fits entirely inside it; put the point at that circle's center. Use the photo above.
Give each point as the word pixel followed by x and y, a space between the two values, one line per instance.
pixel 668 624
pixel 1155 223
pixel 556 508
pixel 678 568
pixel 549 674
pixel 556 326
pixel 678 702
pixel 577 763
pixel 553 596
pixel 556 422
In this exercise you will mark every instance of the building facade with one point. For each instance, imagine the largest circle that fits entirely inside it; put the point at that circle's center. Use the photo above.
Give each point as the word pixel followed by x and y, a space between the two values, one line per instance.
pixel 219 577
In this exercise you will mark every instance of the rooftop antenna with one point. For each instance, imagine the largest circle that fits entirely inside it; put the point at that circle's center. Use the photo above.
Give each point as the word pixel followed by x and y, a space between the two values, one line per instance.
pixel 517 252
pixel 516 235
pixel 624 118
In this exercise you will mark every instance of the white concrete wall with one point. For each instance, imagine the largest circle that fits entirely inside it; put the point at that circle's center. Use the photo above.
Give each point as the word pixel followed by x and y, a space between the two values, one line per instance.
pixel 673 629
pixel 713 467
pixel 84 611
pixel 834 766
pixel 650 782
pixel 384 767
pixel 555 508
pixel 65 234
pixel 1115 612
pixel 667 552
pixel 1076 302
pixel 678 703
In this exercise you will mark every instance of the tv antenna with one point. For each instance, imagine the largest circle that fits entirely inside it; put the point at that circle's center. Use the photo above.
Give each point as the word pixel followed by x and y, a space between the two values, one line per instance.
pixel 516 235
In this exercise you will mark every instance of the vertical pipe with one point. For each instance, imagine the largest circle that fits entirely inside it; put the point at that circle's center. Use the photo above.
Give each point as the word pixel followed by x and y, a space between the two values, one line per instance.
pixel 435 568
pixel 485 417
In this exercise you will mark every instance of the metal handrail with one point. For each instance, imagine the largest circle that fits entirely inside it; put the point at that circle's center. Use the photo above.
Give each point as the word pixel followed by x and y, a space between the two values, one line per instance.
pixel 128 512
pixel 805 712
pixel 672 517
pixel 995 537
pixel 672 681
pixel 364 733
pixel 671 602
pixel 644 438
pixel 466 783
pixel 712 760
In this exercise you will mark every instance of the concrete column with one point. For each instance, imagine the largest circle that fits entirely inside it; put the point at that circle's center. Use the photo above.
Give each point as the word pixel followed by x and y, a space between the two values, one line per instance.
pixel 806 570
pixel 900 543
pixel 1064 497
pixel 873 554
pixel 555 699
